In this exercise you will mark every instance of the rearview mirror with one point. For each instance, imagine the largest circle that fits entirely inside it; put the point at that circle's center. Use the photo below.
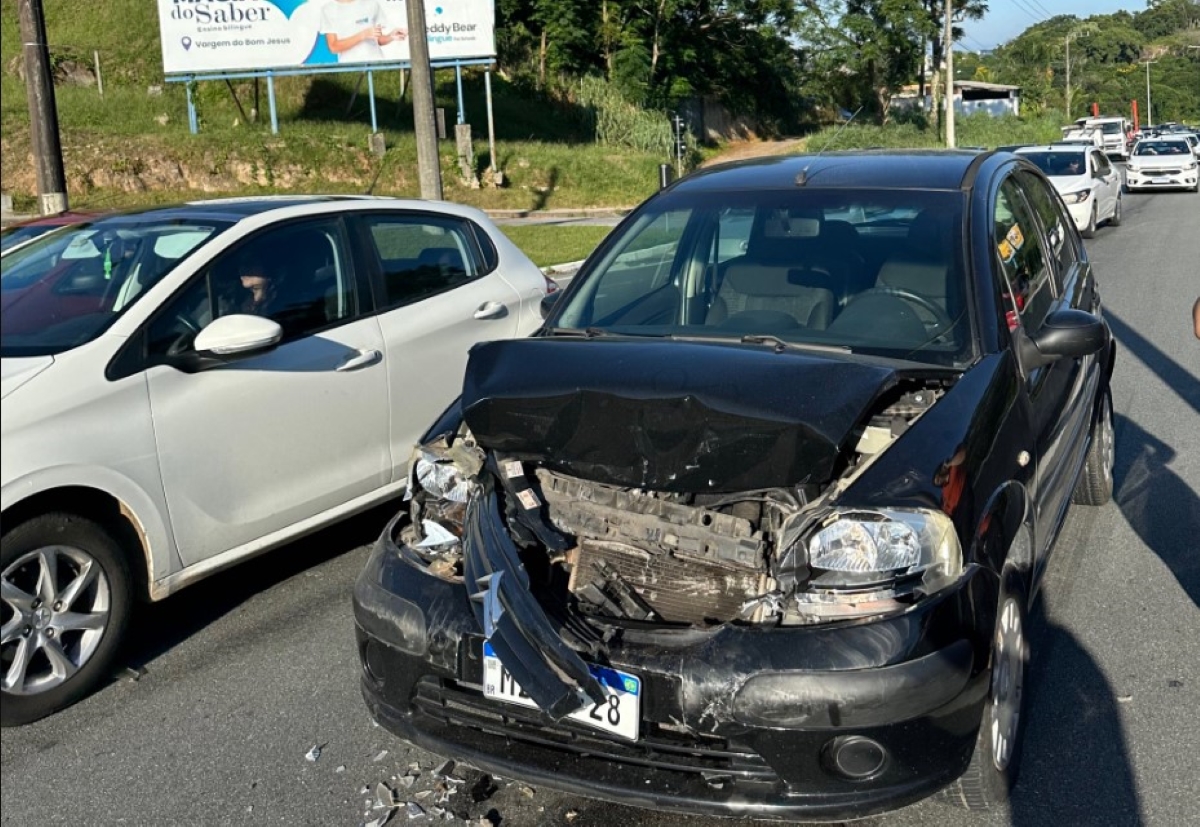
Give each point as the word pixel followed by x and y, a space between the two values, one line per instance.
pixel 1064 333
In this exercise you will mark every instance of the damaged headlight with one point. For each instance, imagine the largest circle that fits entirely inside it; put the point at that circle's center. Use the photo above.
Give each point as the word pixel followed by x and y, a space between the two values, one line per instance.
pixel 885 543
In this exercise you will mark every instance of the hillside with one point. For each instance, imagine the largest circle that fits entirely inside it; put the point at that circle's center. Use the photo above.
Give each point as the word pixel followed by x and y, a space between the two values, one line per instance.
pixel 133 145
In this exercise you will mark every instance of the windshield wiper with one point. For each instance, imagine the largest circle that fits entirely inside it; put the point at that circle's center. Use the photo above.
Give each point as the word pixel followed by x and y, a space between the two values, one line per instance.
pixel 782 344
pixel 584 332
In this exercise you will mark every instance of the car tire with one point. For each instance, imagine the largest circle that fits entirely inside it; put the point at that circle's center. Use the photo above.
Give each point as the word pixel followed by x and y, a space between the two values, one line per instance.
pixel 1090 230
pixel 1115 221
pixel 77 579
pixel 996 762
pixel 1095 485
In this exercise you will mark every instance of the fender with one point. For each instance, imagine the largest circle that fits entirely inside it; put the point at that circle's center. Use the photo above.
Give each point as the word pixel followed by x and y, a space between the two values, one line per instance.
pixel 997 543
pixel 143 508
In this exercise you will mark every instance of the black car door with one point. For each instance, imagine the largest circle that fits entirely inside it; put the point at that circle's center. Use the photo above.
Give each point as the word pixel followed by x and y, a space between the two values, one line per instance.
pixel 1032 256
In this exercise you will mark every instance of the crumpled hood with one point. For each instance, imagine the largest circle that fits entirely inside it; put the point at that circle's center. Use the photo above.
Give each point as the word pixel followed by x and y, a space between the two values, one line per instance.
pixel 16 372
pixel 668 415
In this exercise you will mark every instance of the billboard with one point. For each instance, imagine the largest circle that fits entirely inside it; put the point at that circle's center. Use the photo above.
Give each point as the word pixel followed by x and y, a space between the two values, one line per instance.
pixel 200 36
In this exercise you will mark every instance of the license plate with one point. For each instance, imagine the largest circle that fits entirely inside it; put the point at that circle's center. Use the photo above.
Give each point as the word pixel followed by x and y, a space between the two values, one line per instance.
pixel 619 714
pixel 1160 180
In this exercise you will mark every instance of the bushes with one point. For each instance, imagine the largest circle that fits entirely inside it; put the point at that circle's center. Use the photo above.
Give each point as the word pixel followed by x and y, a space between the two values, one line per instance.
pixel 617 122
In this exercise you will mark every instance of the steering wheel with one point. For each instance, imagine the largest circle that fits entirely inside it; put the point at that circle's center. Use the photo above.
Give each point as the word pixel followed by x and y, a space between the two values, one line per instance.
pixel 185 339
pixel 941 319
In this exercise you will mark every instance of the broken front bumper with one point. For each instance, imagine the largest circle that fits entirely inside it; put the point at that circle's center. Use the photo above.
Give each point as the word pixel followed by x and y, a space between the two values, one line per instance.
pixel 829 721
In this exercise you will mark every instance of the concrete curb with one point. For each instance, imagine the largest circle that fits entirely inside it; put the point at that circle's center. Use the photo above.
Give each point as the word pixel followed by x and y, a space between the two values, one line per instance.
pixel 582 212
pixel 563 269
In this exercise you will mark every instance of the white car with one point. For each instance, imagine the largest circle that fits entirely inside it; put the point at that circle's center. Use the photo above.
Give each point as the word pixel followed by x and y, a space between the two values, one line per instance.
pixel 186 387
pixel 1163 162
pixel 1085 178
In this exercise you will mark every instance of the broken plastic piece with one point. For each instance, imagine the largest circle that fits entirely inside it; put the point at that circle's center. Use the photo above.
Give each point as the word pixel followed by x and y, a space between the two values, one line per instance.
pixel 415 811
pixel 384 796
pixel 380 819
pixel 313 754
pixel 406 781
pixel 436 536
pixel 380 756
pixel 340 768
pixel 444 768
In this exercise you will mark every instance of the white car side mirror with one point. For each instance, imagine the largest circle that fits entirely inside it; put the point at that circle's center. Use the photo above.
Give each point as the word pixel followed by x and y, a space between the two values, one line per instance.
pixel 237 334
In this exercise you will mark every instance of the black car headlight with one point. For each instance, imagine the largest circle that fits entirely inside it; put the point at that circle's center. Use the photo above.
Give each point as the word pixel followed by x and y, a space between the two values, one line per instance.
pixel 859 547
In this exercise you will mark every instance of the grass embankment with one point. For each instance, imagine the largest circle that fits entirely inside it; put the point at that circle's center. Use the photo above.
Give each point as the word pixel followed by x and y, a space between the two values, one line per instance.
pixel 549 244
pixel 132 146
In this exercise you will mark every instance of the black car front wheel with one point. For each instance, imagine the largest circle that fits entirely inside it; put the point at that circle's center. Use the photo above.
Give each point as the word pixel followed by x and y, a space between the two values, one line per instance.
pixel 1095 485
pixel 996 762
pixel 66 602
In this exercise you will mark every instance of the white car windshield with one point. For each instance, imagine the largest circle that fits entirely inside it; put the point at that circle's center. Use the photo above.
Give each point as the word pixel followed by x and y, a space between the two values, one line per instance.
pixel 1152 148
pixel 65 288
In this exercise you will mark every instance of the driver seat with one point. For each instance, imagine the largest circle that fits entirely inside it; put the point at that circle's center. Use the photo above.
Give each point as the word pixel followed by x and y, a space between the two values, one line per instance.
pixel 923 264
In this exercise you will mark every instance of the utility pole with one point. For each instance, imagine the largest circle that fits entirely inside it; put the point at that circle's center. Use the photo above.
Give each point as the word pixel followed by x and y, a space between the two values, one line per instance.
pixel 1149 110
pixel 43 113
pixel 951 138
pixel 428 165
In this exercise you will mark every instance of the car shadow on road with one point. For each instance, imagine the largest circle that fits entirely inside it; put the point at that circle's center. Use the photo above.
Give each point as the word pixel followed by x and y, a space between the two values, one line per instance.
pixel 1157 503
pixel 1076 767
pixel 1178 378
pixel 158 627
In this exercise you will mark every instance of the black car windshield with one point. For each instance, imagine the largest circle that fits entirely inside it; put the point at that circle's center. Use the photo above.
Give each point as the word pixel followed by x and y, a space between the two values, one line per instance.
pixel 1059 163
pixel 1151 148
pixel 876 272
pixel 65 288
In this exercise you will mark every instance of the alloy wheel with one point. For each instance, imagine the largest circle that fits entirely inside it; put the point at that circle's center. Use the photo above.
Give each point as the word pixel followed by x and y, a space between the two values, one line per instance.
pixel 1108 442
pixel 56 606
pixel 1008 683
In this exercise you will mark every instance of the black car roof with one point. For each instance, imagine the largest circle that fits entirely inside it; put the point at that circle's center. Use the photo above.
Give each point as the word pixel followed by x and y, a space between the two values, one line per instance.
pixel 883 169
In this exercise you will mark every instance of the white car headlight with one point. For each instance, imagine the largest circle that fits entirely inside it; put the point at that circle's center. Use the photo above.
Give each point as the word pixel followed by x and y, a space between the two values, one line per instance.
pixel 1077 197
pixel 1190 166
pixel 894 542
pixel 1133 168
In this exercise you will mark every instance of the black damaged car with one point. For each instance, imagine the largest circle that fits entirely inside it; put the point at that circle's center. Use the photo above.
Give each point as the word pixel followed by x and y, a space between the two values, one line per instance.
pixel 752 525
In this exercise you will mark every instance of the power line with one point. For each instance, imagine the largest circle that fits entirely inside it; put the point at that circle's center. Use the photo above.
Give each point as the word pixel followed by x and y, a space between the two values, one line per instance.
pixel 1028 10
pixel 1041 8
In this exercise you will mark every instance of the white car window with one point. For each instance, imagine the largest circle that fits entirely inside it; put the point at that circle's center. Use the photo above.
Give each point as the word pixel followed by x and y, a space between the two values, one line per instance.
pixel 422 255
pixel 297 275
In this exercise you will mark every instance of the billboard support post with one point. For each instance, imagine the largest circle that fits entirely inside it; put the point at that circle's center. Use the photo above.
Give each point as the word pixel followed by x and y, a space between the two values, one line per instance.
pixel 371 101
pixel 193 121
pixel 271 103
pixel 487 87
pixel 462 117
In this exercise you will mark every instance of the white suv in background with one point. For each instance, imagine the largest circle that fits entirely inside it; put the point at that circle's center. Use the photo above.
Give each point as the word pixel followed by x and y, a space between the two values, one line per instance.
pixel 1163 162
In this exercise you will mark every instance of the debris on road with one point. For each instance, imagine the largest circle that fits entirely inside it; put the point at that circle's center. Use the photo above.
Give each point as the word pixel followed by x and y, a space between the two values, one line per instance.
pixel 379 757
pixel 313 754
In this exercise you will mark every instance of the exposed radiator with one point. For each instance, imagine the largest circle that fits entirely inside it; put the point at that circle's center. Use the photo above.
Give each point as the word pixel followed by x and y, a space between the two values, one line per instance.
pixel 678 590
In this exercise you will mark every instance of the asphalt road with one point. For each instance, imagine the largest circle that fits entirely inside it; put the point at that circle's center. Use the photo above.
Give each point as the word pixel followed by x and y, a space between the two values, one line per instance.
pixel 234 680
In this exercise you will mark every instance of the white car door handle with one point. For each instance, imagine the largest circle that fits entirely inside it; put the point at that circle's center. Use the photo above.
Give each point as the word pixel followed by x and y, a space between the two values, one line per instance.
pixel 361 360
pixel 491 310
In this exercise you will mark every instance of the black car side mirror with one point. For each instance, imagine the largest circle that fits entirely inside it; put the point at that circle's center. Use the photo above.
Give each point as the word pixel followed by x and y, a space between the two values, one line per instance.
pixel 1064 333
pixel 548 302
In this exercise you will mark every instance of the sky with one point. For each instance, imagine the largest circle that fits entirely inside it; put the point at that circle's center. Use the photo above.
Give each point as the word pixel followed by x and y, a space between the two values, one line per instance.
pixel 1008 18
